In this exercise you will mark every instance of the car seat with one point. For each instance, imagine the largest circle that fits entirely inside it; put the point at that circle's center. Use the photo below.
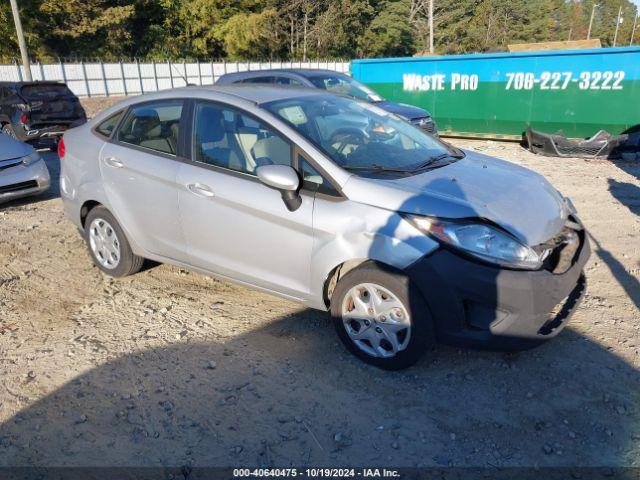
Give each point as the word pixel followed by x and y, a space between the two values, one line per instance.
pixel 214 145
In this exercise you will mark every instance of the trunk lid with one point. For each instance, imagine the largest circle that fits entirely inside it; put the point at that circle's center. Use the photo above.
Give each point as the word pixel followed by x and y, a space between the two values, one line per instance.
pixel 51 103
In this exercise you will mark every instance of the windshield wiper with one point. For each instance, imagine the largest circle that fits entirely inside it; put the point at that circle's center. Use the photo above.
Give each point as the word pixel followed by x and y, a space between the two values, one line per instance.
pixel 379 168
pixel 436 159
pixel 375 168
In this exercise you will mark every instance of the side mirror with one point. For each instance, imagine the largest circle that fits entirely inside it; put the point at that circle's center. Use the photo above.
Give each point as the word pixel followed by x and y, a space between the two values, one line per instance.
pixel 286 180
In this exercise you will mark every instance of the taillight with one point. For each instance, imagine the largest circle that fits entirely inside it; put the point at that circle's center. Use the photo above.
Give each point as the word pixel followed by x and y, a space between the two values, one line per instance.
pixel 61 148
pixel 23 118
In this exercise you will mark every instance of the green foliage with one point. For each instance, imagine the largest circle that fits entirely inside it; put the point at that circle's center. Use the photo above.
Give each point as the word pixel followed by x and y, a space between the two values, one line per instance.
pixel 253 35
pixel 299 29
pixel 389 34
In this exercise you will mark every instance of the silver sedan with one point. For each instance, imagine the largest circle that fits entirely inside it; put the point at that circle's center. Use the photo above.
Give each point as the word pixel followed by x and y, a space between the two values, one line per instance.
pixel 332 202
pixel 22 170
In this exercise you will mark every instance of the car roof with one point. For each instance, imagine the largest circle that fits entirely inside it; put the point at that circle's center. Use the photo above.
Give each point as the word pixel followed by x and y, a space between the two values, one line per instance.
pixel 302 72
pixel 254 93
pixel 36 82
pixel 251 93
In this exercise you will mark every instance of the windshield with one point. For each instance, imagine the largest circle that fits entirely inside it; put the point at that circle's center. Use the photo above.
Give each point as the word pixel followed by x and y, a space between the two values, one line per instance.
pixel 360 136
pixel 344 85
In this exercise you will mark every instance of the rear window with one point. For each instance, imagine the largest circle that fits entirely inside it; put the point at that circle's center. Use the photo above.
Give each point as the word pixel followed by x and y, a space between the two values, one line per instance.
pixel 45 92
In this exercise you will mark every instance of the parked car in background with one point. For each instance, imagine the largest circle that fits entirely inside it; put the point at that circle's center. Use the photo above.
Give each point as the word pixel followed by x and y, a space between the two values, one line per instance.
pixel 405 239
pixel 38 112
pixel 334 82
pixel 22 170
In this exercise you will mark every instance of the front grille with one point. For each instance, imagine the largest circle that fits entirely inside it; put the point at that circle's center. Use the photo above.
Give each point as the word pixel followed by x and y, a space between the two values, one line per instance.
pixel 16 187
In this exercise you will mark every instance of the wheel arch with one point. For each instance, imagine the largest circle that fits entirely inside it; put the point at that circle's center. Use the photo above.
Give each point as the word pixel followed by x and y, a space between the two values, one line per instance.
pixel 345 267
pixel 86 207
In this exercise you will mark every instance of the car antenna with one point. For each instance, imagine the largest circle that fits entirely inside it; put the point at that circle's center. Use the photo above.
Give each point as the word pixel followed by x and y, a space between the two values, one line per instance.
pixel 182 76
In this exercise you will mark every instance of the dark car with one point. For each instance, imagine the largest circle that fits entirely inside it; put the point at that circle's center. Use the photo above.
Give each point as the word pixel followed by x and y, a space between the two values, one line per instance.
pixel 334 82
pixel 38 112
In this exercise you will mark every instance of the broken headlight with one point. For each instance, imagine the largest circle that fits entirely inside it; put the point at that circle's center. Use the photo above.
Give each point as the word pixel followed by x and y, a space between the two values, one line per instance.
pixel 479 240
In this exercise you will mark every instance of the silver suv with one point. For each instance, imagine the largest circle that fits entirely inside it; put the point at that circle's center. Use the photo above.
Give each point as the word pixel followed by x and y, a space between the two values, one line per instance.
pixel 334 203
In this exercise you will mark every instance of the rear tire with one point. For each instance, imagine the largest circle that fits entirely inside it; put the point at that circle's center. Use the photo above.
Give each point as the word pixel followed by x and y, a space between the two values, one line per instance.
pixel 381 317
pixel 108 245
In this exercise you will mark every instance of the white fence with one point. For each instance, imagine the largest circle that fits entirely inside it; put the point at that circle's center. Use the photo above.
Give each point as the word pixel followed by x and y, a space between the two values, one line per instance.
pixel 98 79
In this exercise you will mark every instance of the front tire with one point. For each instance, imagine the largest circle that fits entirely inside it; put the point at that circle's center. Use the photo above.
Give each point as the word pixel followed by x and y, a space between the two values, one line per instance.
pixel 108 245
pixel 381 317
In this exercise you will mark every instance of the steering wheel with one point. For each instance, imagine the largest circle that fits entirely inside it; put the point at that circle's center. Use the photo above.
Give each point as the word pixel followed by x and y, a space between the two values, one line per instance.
pixel 340 140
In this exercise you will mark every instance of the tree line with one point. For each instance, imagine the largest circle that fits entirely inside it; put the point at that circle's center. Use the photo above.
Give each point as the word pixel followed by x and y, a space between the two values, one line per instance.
pixel 299 29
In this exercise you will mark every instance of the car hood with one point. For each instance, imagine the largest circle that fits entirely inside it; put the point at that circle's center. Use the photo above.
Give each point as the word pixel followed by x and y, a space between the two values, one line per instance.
pixel 477 186
pixel 11 148
pixel 403 110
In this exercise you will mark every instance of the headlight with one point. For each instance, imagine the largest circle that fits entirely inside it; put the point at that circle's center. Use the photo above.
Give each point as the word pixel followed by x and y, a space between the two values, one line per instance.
pixel 482 241
pixel 31 159
pixel 421 122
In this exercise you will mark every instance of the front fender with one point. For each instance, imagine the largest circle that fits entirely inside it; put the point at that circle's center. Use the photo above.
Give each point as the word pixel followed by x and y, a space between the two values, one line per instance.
pixel 377 235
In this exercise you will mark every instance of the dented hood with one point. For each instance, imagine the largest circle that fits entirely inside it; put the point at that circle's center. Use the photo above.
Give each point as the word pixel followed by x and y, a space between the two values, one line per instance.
pixel 477 186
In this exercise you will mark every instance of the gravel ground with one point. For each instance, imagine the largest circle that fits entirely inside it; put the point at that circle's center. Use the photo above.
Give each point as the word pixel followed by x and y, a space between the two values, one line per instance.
pixel 169 367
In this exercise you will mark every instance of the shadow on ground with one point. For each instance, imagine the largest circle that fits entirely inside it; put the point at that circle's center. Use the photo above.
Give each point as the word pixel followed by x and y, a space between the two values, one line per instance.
pixel 288 395
pixel 627 281
pixel 628 195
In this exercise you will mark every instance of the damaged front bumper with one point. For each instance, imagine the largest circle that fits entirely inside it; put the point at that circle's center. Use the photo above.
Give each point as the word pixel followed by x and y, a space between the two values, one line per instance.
pixel 601 145
pixel 478 305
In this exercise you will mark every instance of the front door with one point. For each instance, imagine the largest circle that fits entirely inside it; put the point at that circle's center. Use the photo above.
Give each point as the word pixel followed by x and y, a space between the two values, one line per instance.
pixel 139 168
pixel 233 224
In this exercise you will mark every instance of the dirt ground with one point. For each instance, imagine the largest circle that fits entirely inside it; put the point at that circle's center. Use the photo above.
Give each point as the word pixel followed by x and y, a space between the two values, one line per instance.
pixel 169 367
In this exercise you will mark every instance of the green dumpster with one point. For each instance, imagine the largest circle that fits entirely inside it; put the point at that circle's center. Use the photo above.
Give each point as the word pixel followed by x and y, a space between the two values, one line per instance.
pixel 500 95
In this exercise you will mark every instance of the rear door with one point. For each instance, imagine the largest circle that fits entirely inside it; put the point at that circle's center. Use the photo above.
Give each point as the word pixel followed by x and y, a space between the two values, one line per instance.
pixel 233 224
pixel 139 168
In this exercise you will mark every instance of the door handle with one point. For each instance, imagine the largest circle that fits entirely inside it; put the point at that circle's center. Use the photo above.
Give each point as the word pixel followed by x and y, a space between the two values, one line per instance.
pixel 113 162
pixel 200 189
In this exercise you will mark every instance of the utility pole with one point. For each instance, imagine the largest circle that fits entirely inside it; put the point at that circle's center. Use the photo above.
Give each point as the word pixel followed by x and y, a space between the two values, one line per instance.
pixel 431 27
pixel 21 42
pixel 593 11
pixel 615 37
pixel 633 30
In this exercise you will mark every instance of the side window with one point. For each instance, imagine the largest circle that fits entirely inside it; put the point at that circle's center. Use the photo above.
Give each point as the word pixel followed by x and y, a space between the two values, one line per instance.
pixel 287 81
pixel 258 80
pixel 154 126
pixel 226 138
pixel 314 180
pixel 107 126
